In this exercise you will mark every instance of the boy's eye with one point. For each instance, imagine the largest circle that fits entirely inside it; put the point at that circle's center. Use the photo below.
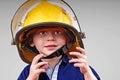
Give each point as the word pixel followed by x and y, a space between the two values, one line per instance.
pixel 57 32
pixel 43 33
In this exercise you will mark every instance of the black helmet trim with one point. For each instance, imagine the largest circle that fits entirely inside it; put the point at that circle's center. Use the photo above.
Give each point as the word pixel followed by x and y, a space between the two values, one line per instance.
pixel 49 24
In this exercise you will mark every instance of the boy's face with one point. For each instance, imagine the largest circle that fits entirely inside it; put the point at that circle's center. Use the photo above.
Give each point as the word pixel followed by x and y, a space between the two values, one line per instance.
pixel 49 40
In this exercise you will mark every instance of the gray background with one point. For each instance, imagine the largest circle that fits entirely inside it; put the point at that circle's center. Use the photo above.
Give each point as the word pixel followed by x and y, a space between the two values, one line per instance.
pixel 99 19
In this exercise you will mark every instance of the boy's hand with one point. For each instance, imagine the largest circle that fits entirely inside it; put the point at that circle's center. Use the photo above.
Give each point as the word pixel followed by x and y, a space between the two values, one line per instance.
pixel 80 60
pixel 37 68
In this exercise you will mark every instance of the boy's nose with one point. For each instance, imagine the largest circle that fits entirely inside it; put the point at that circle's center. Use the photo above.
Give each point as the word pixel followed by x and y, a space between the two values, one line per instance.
pixel 50 37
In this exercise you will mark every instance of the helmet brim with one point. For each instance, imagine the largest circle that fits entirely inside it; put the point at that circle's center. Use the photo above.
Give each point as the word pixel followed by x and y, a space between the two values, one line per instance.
pixel 26 55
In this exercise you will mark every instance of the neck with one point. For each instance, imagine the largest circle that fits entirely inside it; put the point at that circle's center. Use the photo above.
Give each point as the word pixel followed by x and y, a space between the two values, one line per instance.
pixel 53 61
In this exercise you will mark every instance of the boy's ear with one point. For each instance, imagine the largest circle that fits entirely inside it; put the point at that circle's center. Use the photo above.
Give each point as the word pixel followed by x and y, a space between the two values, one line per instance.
pixel 31 41
pixel 32 45
pixel 67 39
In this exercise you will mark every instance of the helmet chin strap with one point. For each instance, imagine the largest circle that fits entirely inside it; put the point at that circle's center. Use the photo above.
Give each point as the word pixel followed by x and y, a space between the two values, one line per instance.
pixel 57 53
pixel 60 51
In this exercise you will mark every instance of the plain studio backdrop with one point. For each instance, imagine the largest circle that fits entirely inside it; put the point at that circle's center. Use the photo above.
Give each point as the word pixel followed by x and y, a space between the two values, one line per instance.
pixel 99 19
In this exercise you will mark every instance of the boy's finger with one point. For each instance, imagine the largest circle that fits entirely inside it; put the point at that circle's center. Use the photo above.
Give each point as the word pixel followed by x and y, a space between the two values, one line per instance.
pixel 37 58
pixel 76 54
pixel 42 65
pixel 81 50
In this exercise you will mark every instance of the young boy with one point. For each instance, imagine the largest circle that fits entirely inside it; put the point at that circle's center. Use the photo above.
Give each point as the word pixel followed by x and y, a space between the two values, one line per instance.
pixel 46 38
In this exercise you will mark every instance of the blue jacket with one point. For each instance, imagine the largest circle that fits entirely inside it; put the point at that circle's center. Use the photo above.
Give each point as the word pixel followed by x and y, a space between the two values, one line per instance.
pixel 66 72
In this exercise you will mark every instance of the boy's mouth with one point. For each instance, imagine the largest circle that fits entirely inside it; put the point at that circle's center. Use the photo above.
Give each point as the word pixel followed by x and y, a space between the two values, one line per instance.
pixel 51 47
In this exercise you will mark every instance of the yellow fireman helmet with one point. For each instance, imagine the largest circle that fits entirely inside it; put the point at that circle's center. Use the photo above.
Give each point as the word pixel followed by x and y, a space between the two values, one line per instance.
pixel 38 14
